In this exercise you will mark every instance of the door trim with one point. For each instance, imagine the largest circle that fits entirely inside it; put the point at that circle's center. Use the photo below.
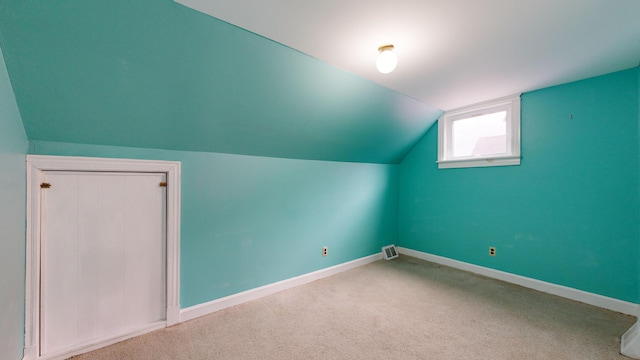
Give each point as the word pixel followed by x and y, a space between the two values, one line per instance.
pixel 36 164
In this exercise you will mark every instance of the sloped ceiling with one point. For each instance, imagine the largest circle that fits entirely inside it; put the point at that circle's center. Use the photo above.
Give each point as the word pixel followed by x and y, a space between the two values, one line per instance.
pixel 156 74
pixel 451 53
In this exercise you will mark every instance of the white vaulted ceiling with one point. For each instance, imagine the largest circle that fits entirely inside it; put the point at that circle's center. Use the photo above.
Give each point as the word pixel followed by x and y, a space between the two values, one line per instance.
pixel 451 52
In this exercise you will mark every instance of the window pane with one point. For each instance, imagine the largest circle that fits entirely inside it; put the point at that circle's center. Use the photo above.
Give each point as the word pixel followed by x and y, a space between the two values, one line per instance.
pixel 480 135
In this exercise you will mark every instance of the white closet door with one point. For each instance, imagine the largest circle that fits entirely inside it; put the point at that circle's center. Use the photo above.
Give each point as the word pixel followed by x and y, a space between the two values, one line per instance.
pixel 102 257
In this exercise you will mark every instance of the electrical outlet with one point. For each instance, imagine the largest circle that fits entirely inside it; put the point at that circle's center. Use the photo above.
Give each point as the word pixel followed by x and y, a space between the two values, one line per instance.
pixel 325 251
pixel 492 251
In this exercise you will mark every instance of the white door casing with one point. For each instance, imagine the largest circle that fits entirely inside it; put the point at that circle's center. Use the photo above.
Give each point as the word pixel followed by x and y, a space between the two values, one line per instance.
pixel 36 168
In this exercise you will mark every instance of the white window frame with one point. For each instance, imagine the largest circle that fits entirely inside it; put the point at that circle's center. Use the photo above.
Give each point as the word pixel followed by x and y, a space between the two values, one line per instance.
pixel 510 104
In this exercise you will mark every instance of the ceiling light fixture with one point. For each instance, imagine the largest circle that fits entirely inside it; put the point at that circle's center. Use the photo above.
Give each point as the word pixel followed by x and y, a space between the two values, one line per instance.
pixel 387 59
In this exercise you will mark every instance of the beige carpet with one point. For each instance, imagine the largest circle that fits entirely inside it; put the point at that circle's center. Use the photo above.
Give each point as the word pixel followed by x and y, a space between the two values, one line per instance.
pixel 400 309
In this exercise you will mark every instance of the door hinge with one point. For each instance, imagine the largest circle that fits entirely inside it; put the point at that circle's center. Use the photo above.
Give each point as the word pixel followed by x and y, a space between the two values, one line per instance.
pixel 45 186
pixel 163 184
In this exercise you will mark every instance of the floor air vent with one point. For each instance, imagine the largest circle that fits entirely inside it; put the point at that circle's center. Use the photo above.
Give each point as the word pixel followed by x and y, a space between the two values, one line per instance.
pixel 389 252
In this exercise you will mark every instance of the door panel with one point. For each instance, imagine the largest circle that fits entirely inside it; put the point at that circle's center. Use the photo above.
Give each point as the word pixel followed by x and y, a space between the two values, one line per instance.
pixel 86 197
pixel 61 227
pixel 103 257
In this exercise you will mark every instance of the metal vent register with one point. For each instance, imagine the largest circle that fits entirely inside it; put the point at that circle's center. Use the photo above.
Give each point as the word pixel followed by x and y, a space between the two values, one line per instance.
pixel 389 252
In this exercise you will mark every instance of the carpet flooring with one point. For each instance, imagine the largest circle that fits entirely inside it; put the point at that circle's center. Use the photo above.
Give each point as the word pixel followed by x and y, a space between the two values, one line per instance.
pixel 401 309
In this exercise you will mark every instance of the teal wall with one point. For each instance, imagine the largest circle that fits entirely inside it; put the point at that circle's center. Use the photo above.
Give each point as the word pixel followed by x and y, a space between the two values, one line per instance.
pixel 13 147
pixel 156 74
pixel 567 215
pixel 249 221
pixel 121 78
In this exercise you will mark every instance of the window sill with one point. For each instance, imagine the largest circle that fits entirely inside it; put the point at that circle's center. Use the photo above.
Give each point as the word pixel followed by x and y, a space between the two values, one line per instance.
pixel 481 162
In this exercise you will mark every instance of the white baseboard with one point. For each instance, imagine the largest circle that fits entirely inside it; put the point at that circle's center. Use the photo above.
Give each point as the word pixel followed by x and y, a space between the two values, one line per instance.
pixel 196 311
pixel 630 344
pixel 31 353
pixel 549 288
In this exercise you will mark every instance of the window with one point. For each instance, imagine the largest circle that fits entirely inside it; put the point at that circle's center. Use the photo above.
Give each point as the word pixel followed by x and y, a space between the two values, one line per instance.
pixel 486 134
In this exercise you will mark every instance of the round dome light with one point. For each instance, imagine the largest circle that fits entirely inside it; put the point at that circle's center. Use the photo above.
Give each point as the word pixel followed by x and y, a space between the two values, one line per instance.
pixel 387 59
